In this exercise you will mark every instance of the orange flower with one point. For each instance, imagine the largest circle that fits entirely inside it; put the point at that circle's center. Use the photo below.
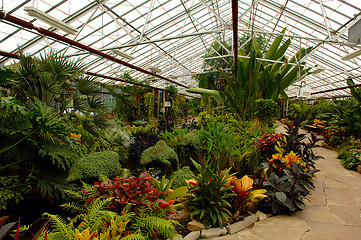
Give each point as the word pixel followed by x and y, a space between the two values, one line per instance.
pixel 73 135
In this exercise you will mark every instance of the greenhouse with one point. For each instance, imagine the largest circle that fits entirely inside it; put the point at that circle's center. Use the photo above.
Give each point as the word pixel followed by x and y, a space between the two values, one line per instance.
pixel 183 119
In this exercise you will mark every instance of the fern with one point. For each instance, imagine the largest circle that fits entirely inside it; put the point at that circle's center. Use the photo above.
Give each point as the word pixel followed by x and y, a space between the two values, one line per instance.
pixel 61 229
pixel 135 236
pixel 53 184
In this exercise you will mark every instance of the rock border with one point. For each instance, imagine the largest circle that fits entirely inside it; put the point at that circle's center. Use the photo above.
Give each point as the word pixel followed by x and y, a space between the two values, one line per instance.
pixel 229 229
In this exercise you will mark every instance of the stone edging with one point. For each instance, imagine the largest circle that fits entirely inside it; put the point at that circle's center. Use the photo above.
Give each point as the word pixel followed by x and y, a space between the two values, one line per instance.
pixel 229 229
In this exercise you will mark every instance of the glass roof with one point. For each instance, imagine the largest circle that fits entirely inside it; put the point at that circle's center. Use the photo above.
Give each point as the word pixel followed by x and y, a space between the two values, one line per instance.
pixel 172 36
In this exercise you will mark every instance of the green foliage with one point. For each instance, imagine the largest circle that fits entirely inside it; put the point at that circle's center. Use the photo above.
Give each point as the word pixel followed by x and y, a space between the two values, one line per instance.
pixel 259 79
pixel 287 177
pixel 334 135
pixel 266 110
pixel 298 110
pixel 11 191
pixel 218 142
pixel 180 175
pixel 191 139
pixel 209 198
pixel 153 226
pixel 98 165
pixel 203 118
pixel 160 155
pixel 351 160
pixel 149 99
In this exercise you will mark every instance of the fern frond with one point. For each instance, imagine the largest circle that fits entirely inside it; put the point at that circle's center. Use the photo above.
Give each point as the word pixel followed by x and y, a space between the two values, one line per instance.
pixel 135 236
pixel 155 224
pixel 74 208
pixel 60 227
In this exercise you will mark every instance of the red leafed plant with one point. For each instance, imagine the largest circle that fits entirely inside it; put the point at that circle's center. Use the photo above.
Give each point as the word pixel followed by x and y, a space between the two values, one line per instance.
pixel 134 190
pixel 267 143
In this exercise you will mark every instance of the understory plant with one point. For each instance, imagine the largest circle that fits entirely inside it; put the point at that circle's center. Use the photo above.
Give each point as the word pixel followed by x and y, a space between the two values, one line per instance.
pixel 209 198
pixel 334 135
pixel 287 177
pixel 351 160
pixel 122 191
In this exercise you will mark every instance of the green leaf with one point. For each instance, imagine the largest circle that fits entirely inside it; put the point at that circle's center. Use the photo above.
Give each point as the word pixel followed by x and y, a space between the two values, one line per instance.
pixel 281 196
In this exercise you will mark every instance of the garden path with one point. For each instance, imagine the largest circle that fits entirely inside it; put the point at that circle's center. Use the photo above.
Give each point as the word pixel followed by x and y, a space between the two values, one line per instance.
pixel 333 210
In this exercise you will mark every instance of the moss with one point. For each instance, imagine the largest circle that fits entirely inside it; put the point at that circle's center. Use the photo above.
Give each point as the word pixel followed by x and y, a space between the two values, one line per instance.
pixel 99 165
pixel 160 155
pixel 180 175
pixel 191 139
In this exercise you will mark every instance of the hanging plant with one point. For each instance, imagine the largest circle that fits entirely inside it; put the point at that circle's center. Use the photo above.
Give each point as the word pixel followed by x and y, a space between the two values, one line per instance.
pixel 149 99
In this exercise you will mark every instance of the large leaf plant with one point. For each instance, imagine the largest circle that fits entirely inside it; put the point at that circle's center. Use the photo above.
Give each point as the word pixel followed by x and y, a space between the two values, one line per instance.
pixel 258 78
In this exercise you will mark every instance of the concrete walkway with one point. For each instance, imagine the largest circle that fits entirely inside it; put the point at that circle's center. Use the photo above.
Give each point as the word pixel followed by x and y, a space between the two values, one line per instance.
pixel 333 211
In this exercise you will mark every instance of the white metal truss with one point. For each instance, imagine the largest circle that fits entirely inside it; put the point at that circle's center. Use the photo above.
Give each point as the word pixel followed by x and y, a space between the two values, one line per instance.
pixel 174 35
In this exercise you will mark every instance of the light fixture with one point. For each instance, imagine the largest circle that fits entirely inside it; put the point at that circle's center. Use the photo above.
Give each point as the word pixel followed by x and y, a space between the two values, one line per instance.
pixel 155 69
pixel 318 70
pixel 351 55
pixel 123 54
pixel 36 13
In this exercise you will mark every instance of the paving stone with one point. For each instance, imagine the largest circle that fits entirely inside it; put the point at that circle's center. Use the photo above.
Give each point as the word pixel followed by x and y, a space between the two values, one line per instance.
pixel 246 234
pixel 193 235
pixel 214 232
pixel 238 226
pixel 319 214
pixel 333 231
pixel 281 228
pixel 331 183
pixel 348 214
pixel 341 197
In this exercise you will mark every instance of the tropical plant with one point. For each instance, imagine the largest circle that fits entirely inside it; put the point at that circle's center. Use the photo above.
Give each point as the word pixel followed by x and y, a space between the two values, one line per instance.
pixel 31 233
pixel 267 143
pixel 287 180
pixel 334 135
pixel 134 190
pixel 257 79
pixel 246 198
pixel 293 141
pixel 209 197
pixel 266 110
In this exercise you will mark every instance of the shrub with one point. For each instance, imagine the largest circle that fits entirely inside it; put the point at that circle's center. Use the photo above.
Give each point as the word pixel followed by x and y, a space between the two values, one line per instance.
pixel 160 155
pixel 265 110
pixel 190 139
pixel 98 165
pixel 138 191
pixel 203 118
pixel 267 143
pixel 180 176
pixel 334 135
pixel 351 160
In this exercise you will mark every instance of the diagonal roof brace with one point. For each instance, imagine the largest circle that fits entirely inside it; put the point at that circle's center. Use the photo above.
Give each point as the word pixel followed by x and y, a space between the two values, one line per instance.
pixel 29 25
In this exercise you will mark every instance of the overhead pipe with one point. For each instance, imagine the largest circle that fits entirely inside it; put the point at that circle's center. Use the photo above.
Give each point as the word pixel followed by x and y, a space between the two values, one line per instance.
pixel 12 55
pixel 25 24
pixel 235 33
pixel 331 90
